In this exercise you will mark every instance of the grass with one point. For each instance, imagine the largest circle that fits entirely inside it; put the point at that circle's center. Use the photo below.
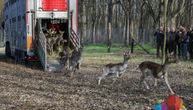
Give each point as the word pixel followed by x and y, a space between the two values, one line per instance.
pixel 148 47
pixel 101 49
pixel 2 44
pixel 97 54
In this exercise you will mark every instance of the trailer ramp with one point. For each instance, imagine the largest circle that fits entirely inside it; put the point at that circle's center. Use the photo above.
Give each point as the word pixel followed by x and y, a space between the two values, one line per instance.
pixel 42 53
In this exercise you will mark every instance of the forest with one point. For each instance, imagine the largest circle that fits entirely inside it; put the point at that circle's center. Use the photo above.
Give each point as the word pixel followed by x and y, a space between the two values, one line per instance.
pixel 120 21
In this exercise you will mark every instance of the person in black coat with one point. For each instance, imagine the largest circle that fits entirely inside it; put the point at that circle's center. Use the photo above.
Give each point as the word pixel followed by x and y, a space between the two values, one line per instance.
pixel 172 41
pixel 190 35
pixel 184 44
pixel 159 40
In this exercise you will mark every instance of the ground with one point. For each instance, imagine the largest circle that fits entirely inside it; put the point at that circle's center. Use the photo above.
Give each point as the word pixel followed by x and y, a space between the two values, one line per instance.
pixel 24 87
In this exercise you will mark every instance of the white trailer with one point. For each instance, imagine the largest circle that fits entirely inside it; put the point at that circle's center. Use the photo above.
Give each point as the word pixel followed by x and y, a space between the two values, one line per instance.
pixel 24 21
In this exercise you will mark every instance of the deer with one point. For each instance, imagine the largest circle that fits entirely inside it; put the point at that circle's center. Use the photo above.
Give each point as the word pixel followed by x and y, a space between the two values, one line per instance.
pixel 115 69
pixel 59 41
pixel 149 68
pixel 51 38
pixel 71 61
pixel 75 61
pixel 63 58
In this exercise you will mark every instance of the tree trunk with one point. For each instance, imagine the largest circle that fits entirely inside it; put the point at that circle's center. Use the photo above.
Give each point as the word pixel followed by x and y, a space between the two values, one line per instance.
pixel 172 22
pixel 93 22
pixel 109 42
pixel 83 23
pixel 109 36
pixel 94 32
pixel 126 31
pixel 191 14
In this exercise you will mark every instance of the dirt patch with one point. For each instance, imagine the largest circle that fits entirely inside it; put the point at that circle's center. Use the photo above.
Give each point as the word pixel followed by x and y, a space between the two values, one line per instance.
pixel 26 88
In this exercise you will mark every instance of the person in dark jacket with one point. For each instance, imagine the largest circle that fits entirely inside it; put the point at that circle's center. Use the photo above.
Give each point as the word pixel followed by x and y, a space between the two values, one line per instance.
pixel 190 34
pixel 159 40
pixel 172 41
pixel 184 44
pixel 178 39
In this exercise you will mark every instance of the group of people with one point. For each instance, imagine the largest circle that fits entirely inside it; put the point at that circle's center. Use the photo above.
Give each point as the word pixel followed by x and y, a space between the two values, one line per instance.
pixel 178 40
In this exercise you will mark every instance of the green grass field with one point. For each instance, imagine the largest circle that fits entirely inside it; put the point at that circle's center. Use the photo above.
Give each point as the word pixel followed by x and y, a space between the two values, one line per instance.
pixel 97 53
pixel 101 49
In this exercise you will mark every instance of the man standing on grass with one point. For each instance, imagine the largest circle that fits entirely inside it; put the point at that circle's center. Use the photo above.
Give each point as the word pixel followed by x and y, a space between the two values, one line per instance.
pixel 190 34
pixel 172 41
pixel 184 44
pixel 159 40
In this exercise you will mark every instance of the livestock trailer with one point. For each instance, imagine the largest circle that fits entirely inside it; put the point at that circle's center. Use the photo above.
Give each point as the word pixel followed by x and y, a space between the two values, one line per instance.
pixel 40 30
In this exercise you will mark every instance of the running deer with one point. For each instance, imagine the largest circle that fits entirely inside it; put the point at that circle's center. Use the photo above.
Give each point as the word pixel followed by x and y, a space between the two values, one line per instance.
pixel 70 61
pixel 115 69
pixel 156 70
pixel 75 61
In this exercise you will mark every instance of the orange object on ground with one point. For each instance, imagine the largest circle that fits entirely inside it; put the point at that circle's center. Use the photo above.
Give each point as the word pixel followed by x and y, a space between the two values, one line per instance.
pixel 174 102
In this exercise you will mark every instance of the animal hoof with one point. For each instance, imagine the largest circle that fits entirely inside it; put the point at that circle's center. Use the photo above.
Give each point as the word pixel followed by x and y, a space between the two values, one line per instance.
pixel 172 93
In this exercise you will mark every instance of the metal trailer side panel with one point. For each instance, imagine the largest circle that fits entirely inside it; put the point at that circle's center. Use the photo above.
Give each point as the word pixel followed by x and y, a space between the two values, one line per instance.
pixel 13 21
pixel 6 20
pixel 15 24
pixel 21 25
pixel 11 24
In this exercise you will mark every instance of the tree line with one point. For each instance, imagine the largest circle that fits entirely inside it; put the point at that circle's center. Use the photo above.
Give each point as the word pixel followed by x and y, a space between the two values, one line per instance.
pixel 121 21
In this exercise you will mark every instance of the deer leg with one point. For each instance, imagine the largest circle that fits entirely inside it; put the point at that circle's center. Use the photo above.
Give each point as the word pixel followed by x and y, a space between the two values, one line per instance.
pixel 167 82
pixel 147 86
pixel 105 73
pixel 51 49
pixel 78 65
pixel 155 83
pixel 115 79
pixel 142 79
pixel 100 78
pixel 72 73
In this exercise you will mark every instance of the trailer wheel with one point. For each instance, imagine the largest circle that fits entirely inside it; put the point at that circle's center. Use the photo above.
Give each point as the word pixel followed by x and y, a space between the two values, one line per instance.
pixel 7 49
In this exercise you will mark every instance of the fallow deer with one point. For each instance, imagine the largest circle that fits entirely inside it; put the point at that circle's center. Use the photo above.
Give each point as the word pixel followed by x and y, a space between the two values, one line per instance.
pixel 51 43
pixel 75 61
pixel 51 38
pixel 59 41
pixel 156 70
pixel 116 69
